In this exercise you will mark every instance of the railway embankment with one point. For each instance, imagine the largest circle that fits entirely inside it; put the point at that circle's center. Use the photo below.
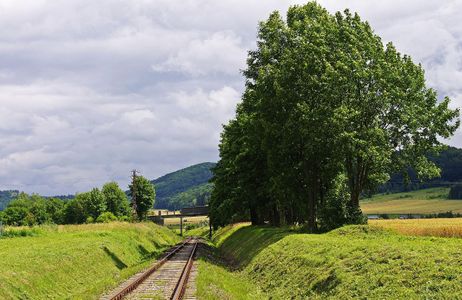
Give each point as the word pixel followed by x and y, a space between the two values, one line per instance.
pixel 348 263
pixel 77 261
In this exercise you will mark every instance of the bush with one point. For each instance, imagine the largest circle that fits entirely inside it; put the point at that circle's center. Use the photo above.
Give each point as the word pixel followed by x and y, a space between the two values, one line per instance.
pixel 333 213
pixel 124 219
pixel 90 220
pixel 106 217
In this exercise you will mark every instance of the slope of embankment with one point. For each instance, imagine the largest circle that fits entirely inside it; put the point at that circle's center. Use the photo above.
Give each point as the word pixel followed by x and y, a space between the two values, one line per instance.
pixel 354 262
pixel 77 261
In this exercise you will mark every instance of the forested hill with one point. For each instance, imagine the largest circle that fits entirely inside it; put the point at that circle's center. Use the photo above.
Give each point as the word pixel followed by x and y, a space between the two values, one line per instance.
pixel 450 162
pixel 190 186
pixel 5 198
pixel 185 187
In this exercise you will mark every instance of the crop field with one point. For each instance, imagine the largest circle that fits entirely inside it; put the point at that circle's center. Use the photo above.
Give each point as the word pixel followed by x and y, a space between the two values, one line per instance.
pixel 425 201
pixel 423 227
pixel 188 220
pixel 76 261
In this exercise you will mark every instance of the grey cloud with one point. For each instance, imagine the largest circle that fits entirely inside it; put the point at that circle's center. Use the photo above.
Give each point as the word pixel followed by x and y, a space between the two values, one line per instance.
pixel 90 90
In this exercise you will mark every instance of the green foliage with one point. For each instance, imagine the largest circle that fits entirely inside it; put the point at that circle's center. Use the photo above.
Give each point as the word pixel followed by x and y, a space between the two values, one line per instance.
pixel 106 217
pixel 75 212
pixel 6 197
pixel 116 199
pixel 33 210
pixel 324 98
pixel 94 202
pixel 181 188
pixel 195 196
pixel 15 215
pixel 335 212
pixel 83 208
pixel 450 163
pixel 77 261
pixel 142 190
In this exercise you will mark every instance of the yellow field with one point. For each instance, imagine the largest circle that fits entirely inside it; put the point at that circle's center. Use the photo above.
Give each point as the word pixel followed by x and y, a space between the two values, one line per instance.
pixel 423 227
pixel 426 201
pixel 187 220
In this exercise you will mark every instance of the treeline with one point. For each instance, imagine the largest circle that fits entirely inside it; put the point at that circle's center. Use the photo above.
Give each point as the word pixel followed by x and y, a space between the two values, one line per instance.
pixel 105 205
pixel 450 163
pixel 6 196
pixel 195 196
pixel 328 113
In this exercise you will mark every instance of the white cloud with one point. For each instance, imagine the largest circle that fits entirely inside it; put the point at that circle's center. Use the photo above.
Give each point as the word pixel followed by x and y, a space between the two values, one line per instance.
pixel 219 53
pixel 90 90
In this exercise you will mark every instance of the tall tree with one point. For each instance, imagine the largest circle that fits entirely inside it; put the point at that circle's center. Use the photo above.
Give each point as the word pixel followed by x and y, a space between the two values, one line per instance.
pixel 325 101
pixel 145 195
pixel 392 120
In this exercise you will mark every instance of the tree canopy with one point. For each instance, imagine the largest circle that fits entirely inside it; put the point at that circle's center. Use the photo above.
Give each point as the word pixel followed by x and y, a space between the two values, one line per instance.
pixel 143 196
pixel 328 113
pixel 101 206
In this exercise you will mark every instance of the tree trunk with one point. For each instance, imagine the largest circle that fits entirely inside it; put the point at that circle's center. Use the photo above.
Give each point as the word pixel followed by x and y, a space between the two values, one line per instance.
pixel 276 216
pixel 312 208
pixel 254 216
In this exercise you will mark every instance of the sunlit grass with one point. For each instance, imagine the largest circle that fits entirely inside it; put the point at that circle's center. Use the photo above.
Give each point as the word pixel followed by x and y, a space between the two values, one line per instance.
pixel 77 261
pixel 353 262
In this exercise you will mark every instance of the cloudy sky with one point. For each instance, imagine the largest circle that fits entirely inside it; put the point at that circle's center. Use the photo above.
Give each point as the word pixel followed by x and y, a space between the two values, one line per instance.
pixel 90 90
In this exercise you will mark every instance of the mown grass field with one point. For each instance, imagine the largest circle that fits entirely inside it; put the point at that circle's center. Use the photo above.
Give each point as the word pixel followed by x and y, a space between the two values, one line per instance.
pixel 427 201
pixel 353 262
pixel 77 261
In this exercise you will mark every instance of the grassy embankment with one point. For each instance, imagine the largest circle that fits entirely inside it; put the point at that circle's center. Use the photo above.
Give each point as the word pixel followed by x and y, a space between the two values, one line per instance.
pixel 348 263
pixel 427 201
pixel 76 261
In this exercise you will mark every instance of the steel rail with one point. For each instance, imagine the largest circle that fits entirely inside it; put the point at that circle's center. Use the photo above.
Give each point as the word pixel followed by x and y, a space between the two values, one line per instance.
pixel 180 287
pixel 132 286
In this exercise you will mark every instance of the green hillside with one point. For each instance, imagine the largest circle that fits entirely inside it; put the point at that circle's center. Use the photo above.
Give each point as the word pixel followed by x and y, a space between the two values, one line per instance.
pixel 77 261
pixel 450 163
pixel 425 201
pixel 6 197
pixel 185 187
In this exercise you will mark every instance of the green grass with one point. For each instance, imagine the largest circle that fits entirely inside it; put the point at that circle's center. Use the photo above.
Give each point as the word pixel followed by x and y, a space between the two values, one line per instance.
pixel 427 201
pixel 77 261
pixel 215 281
pixel 353 262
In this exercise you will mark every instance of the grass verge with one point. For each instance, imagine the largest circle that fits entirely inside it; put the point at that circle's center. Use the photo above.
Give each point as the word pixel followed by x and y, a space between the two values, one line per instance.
pixel 215 281
pixel 353 262
pixel 77 261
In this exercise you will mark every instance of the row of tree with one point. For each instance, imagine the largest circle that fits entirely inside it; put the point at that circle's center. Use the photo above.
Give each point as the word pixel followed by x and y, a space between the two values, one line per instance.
pixel 328 113
pixel 108 204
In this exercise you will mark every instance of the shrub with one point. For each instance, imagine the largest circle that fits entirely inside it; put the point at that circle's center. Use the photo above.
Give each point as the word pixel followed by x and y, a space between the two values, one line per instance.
pixel 106 217
pixel 124 219
pixel 90 220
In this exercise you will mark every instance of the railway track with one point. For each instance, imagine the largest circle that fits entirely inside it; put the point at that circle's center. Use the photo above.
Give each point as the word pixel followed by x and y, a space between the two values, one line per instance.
pixel 166 279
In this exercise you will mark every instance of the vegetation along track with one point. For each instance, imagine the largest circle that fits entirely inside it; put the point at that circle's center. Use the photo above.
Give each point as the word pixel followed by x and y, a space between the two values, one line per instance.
pixel 166 279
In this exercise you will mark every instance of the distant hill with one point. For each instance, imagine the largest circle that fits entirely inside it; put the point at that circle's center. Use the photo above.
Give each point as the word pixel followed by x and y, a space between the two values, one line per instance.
pixel 450 162
pixel 6 197
pixel 186 187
